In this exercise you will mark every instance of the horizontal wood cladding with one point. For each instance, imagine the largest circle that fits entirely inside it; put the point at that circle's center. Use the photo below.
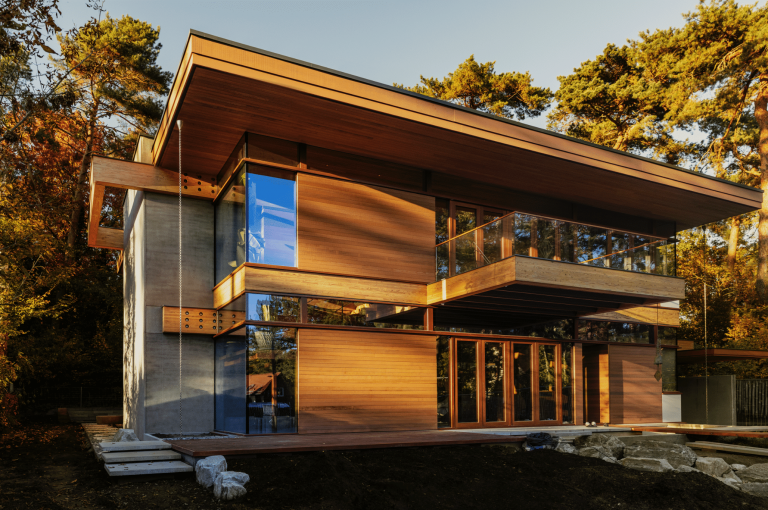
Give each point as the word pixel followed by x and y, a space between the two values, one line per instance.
pixel 288 281
pixel 644 314
pixel 363 230
pixel 358 381
pixel 550 273
pixel 203 321
pixel 635 392
pixel 110 238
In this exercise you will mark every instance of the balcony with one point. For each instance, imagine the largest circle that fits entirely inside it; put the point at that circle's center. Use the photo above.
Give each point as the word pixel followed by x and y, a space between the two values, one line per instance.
pixel 519 234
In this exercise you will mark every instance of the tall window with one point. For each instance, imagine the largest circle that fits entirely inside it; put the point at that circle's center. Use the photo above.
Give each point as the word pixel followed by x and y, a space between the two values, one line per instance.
pixel 271 216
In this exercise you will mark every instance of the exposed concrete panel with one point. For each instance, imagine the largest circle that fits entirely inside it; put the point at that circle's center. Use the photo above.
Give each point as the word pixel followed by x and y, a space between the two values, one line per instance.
pixel 151 361
pixel 162 369
pixel 722 399
pixel 133 313
pixel 671 409
pixel 162 242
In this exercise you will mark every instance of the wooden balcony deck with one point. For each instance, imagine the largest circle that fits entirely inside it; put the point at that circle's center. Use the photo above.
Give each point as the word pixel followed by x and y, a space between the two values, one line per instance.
pixel 283 443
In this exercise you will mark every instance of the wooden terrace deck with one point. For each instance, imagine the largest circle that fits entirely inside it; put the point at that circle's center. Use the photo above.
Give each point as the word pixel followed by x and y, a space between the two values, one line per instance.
pixel 283 443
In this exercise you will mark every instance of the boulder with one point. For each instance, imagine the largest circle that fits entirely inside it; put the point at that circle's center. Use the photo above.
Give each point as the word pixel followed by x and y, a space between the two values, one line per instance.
pixel 229 485
pixel 611 444
pixel 123 435
pixel 731 483
pixel 652 465
pixel 597 452
pixel 687 469
pixel 677 455
pixel 731 476
pixel 756 489
pixel 713 466
pixel 738 467
pixel 756 473
pixel 611 460
pixel 208 469
pixel 566 448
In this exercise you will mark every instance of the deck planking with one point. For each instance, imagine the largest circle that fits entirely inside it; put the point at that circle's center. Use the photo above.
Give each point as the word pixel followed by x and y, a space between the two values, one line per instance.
pixel 286 443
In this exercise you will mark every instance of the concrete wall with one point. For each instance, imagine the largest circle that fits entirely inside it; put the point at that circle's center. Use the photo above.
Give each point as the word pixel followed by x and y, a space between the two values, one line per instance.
pixel 151 282
pixel 671 408
pixel 722 399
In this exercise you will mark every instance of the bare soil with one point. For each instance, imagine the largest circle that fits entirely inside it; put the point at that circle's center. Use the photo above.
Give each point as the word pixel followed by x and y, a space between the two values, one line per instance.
pixel 48 466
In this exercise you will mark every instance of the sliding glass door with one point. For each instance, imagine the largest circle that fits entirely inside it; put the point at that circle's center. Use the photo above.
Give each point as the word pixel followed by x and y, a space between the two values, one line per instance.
pixel 498 383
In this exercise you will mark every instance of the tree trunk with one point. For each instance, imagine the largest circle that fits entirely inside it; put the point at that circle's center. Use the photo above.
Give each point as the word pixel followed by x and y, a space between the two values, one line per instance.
pixel 761 115
pixel 733 242
pixel 78 200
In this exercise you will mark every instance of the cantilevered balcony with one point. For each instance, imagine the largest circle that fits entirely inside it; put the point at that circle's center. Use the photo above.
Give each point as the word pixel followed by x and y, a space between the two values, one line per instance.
pixel 545 238
pixel 524 264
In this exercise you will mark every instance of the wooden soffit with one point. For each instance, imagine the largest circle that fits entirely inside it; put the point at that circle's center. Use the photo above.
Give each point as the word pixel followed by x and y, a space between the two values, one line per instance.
pixel 223 89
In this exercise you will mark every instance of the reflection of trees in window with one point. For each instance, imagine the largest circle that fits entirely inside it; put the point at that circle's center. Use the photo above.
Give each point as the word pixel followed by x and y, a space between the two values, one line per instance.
pixel 270 308
pixel 623 332
pixel 442 213
pixel 443 381
pixel 566 382
pixel 494 382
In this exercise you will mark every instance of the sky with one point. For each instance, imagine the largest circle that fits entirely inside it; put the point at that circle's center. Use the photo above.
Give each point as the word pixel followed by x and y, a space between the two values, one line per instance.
pixel 395 41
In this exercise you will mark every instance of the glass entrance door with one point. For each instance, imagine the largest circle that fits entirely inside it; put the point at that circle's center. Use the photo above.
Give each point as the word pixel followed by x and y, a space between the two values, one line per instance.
pixel 481 384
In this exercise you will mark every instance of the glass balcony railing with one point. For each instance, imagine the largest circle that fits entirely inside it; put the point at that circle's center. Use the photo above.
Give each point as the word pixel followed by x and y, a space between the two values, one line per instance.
pixel 545 238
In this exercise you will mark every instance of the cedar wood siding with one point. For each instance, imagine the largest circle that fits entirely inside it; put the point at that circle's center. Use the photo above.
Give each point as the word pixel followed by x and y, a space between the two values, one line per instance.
pixel 363 230
pixel 363 381
pixel 635 392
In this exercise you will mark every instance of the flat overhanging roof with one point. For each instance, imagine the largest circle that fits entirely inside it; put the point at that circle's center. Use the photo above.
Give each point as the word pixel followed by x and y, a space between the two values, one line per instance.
pixel 223 89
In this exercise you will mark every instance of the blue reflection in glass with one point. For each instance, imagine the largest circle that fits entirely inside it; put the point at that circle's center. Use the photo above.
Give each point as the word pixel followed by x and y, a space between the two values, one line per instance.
pixel 271 219
pixel 229 376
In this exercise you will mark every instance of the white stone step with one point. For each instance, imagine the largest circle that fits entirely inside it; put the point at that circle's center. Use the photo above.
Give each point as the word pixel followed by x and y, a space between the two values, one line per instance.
pixel 134 446
pixel 148 468
pixel 146 456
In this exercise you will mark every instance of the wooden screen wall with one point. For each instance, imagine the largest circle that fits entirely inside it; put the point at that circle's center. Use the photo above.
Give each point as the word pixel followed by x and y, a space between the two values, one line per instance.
pixel 596 383
pixel 359 381
pixel 363 230
pixel 635 392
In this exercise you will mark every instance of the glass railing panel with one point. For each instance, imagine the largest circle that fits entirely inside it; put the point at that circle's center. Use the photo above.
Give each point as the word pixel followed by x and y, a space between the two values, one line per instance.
pixel 523 234
pixel 533 236
pixel 545 238
pixel 591 245
pixel 465 249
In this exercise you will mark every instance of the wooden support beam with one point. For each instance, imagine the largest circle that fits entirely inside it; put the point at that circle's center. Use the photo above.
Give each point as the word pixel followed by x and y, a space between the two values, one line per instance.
pixel 202 321
pixel 115 173
pixel 109 238
pixel 644 314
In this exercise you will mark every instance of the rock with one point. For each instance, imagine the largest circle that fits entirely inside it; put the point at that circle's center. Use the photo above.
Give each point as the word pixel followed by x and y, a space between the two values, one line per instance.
pixel 566 448
pixel 731 483
pixel 677 455
pixel 738 467
pixel 123 435
pixel 207 470
pixel 612 460
pixel 612 445
pixel 712 466
pixel 731 476
pixel 756 489
pixel 652 465
pixel 756 473
pixel 241 478
pixel 229 485
pixel 687 469
pixel 597 452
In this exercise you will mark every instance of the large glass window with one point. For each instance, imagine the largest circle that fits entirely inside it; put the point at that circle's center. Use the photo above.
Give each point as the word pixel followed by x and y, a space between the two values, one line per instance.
pixel 669 370
pixel 230 227
pixel 268 308
pixel 494 382
pixel 547 394
pixel 522 379
pixel 255 381
pixel 271 216
pixel 357 313
pixel 566 382
pixel 466 379
pixel 667 335
pixel 443 382
pixel 561 329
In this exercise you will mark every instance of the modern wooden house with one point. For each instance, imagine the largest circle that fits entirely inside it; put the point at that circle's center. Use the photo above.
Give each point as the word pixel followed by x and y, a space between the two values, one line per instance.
pixel 356 257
